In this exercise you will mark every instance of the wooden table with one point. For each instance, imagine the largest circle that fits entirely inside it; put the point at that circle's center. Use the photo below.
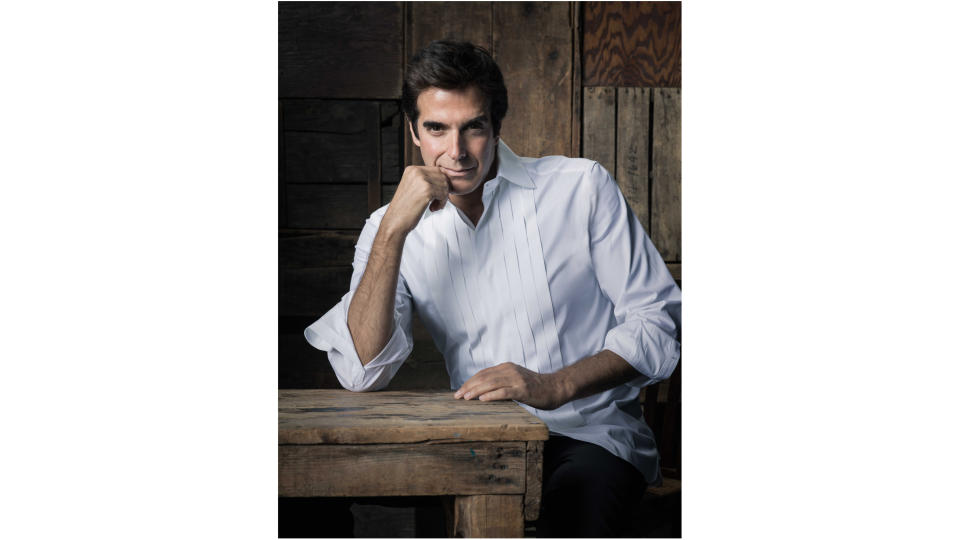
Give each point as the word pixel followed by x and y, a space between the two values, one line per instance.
pixel 488 455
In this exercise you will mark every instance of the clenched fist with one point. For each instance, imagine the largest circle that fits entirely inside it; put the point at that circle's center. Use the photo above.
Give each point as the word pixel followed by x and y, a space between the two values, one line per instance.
pixel 420 186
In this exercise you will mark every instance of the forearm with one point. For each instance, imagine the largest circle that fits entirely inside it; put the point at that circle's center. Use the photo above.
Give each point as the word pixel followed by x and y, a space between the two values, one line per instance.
pixel 592 375
pixel 370 315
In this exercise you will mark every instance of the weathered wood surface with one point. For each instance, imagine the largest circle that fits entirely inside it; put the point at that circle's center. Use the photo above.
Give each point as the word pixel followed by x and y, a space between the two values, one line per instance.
pixel 631 44
pixel 576 109
pixel 391 137
pixel 429 21
pixel 461 21
pixel 311 291
pixel 600 126
pixel 344 417
pixel 669 441
pixel 674 271
pixel 304 248
pixel 388 191
pixel 281 175
pixel 368 470
pixel 326 206
pixel 532 497
pixel 533 45
pixel 488 516
pixel 661 411
pixel 359 42
pixel 633 150
pixel 330 141
pixel 665 176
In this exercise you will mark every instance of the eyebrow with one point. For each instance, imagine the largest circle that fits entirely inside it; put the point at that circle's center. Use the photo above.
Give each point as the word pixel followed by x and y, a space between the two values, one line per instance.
pixel 472 123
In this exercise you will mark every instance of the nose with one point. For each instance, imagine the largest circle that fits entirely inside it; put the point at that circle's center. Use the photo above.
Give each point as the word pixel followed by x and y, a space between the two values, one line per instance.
pixel 456 150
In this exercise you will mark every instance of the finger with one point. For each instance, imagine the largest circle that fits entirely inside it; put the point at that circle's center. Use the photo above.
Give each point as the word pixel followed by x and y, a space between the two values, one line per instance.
pixel 488 385
pixel 498 394
pixel 471 383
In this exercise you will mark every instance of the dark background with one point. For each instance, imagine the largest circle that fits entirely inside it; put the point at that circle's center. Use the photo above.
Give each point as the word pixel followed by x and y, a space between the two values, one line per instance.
pixel 599 80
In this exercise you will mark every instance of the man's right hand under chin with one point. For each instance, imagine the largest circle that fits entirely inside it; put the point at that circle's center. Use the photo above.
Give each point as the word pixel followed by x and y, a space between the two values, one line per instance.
pixel 420 186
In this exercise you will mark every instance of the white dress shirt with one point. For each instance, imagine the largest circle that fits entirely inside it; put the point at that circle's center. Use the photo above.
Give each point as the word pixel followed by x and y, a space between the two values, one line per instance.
pixel 557 268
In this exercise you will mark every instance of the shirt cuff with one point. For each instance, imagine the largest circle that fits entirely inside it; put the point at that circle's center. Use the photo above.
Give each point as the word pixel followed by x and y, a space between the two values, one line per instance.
pixel 653 355
pixel 331 334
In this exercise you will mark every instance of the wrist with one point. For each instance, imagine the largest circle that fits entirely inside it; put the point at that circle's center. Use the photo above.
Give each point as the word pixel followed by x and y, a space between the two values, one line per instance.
pixel 391 234
pixel 563 389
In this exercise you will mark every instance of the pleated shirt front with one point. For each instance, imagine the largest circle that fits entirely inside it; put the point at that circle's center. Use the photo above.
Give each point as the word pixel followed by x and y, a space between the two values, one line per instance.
pixel 557 268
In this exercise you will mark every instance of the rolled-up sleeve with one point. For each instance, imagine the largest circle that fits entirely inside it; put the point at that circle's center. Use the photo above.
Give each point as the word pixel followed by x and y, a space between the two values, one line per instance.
pixel 634 277
pixel 331 334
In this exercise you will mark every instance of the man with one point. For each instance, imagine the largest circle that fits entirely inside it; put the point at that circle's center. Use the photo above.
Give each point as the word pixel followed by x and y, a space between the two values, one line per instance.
pixel 536 281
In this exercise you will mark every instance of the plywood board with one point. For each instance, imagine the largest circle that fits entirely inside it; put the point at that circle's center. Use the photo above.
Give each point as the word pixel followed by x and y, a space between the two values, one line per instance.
pixel 631 44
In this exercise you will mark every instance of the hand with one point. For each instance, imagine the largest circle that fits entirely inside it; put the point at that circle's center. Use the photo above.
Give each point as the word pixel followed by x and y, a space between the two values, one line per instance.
pixel 419 186
pixel 510 381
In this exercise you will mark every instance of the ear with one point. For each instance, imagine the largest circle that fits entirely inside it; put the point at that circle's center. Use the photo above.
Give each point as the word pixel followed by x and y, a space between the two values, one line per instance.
pixel 413 134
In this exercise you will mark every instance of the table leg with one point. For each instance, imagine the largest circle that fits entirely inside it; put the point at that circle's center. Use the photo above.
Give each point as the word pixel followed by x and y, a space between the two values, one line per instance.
pixel 488 516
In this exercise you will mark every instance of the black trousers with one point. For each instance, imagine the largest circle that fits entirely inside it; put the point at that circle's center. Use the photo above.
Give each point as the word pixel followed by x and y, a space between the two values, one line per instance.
pixel 587 491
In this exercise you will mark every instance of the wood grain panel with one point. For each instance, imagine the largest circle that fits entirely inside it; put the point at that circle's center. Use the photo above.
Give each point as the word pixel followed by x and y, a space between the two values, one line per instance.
pixel 329 141
pixel 631 44
pixel 576 113
pixel 488 516
pixel 391 141
pixel 533 45
pixel 300 365
pixel 460 21
pixel 310 292
pixel 388 192
pixel 531 501
pixel 633 150
pixel 429 21
pixel 281 165
pixel 670 436
pixel 326 206
pixel 665 176
pixel 600 126
pixel 674 269
pixel 340 49
pixel 385 417
pixel 383 470
pixel 304 248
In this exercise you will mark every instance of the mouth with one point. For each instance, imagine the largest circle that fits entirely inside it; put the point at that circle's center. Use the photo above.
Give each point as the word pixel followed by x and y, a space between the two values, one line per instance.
pixel 458 173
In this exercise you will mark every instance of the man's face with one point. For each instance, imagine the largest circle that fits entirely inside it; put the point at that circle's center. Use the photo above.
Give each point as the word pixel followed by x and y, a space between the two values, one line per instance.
pixel 456 135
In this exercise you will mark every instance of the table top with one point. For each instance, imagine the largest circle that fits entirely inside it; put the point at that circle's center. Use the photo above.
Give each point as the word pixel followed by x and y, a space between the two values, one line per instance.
pixel 344 417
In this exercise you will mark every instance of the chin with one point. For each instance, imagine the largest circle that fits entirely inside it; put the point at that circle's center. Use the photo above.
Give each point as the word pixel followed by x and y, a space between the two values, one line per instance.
pixel 463 187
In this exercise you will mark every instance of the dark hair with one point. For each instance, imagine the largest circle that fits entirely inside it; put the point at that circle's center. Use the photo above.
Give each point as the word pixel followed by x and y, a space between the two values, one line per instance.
pixel 454 65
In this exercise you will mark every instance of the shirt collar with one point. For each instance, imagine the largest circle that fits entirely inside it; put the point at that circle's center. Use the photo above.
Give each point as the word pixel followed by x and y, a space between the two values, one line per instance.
pixel 511 168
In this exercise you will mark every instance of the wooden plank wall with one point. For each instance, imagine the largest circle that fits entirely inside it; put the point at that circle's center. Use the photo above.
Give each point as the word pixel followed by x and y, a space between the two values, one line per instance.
pixel 631 125
pixel 631 110
pixel 596 79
